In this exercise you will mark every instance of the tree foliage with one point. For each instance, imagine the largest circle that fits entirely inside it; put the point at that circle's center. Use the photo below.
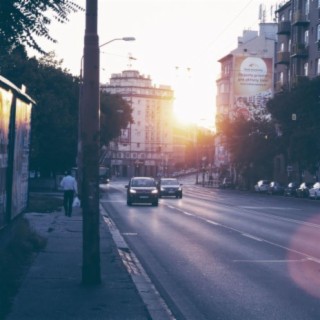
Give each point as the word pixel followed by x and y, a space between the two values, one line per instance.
pixel 54 128
pixel 115 114
pixel 23 21
pixel 297 113
pixel 250 143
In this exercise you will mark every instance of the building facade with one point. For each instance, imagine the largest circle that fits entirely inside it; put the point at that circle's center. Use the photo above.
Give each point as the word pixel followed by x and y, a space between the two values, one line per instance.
pixel 298 47
pixel 246 80
pixel 145 147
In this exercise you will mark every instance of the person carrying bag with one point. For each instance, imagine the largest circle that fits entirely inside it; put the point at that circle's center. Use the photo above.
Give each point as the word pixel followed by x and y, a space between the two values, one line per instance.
pixel 70 189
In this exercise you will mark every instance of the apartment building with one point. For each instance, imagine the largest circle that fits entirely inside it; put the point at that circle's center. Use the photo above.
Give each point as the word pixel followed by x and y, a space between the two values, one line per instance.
pixel 145 147
pixel 246 80
pixel 298 47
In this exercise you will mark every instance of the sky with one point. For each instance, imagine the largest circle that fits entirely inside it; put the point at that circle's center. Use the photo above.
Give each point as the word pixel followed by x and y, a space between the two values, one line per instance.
pixel 178 43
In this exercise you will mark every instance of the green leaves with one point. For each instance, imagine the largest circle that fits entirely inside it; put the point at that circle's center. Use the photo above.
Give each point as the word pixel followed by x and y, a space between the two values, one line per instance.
pixel 21 21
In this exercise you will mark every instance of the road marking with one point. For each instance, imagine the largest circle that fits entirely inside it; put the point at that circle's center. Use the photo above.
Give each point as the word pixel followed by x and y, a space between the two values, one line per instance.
pixel 187 213
pixel 251 237
pixel 212 222
pixel 129 234
pixel 270 261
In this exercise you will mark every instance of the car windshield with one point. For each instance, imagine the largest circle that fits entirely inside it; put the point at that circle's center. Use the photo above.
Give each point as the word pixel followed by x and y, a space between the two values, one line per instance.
pixel 172 182
pixel 142 183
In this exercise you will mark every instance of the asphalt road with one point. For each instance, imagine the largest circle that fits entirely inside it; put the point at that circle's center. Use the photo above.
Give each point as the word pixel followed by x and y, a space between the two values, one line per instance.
pixel 226 254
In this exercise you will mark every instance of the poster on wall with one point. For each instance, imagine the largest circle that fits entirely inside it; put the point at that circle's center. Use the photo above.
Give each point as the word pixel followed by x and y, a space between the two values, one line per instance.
pixel 21 157
pixel 253 85
pixel 5 108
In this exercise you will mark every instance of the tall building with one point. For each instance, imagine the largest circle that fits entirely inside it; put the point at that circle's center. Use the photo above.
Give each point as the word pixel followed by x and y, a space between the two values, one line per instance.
pixel 298 48
pixel 145 147
pixel 247 79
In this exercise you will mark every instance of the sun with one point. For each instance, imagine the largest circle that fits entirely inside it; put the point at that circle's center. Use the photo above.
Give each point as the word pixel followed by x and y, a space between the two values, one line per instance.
pixel 192 107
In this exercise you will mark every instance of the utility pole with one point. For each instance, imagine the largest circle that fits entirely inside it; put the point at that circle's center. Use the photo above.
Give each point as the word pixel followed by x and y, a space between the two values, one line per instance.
pixel 89 149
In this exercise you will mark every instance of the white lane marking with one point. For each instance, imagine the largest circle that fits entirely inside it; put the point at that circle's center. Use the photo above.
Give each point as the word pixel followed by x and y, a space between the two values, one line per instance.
pixel 212 222
pixel 255 238
pixel 270 261
pixel 187 213
pixel 266 207
pixel 251 237
pixel 171 207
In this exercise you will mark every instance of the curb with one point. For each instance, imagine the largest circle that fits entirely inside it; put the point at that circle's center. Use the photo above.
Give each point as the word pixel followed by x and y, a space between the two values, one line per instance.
pixel 156 306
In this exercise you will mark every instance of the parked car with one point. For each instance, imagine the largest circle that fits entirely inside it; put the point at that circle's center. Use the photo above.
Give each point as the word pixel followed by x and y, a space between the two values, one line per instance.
pixel 142 190
pixel 169 187
pixel 291 189
pixel 275 188
pixel 262 186
pixel 303 190
pixel 314 192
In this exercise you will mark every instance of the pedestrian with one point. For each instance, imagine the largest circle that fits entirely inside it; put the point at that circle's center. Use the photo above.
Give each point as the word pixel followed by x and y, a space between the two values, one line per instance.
pixel 70 189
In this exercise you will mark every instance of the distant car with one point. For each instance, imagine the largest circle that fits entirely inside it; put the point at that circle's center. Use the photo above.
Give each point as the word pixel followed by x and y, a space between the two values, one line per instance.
pixel 262 186
pixel 303 190
pixel 291 189
pixel 170 187
pixel 142 190
pixel 275 188
pixel 314 192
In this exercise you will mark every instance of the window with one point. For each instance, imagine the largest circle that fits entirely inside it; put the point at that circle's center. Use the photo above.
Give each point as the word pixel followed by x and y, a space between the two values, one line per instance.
pixel 305 69
pixel 318 64
pixel 306 37
pixel 318 32
pixel 282 47
pixel 307 7
pixel 281 78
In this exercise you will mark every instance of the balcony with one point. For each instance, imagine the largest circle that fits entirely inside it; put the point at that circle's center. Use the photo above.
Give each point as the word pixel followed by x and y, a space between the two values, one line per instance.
pixel 299 50
pixel 300 19
pixel 284 27
pixel 283 57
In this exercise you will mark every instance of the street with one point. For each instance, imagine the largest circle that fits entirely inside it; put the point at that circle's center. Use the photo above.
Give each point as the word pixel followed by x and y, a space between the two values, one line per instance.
pixel 225 254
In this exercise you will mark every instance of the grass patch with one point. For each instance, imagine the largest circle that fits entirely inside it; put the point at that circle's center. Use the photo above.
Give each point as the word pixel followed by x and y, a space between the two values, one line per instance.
pixel 19 247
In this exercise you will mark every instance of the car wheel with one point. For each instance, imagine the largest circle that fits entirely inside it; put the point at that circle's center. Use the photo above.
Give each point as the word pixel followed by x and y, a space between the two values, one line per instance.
pixel 155 204
pixel 129 203
pixel 181 196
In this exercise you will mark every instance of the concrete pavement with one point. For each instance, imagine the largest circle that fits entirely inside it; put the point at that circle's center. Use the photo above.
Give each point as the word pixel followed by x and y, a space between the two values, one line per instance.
pixel 52 288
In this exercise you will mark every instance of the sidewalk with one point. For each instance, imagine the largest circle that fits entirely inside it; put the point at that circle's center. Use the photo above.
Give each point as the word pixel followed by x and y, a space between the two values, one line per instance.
pixel 52 288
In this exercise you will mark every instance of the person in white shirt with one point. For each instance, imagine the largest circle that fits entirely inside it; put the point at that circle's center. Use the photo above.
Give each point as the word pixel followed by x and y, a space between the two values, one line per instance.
pixel 70 189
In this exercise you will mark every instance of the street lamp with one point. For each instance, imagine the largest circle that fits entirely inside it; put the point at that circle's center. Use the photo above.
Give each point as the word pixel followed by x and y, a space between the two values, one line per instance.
pixel 102 45
pixel 88 147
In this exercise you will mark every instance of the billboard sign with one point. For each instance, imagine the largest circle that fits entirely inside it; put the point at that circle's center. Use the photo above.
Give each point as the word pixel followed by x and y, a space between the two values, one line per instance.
pixel 253 85
pixel 5 109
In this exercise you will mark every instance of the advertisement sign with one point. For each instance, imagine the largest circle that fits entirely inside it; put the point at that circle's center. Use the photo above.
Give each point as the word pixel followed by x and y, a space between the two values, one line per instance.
pixel 5 108
pixel 253 85
pixel 21 157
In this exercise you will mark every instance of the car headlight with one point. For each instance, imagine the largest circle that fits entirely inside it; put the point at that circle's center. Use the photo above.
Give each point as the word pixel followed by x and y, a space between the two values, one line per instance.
pixel 132 191
pixel 179 189
pixel 154 191
pixel 162 189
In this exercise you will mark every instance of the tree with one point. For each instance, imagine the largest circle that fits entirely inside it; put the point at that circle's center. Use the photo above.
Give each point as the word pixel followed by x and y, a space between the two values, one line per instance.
pixel 297 113
pixel 115 115
pixel 251 144
pixel 22 21
pixel 54 126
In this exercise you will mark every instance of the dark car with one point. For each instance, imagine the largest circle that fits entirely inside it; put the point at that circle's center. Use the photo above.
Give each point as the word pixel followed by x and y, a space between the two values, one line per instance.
pixel 303 190
pixel 142 190
pixel 275 188
pixel 170 187
pixel 291 189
